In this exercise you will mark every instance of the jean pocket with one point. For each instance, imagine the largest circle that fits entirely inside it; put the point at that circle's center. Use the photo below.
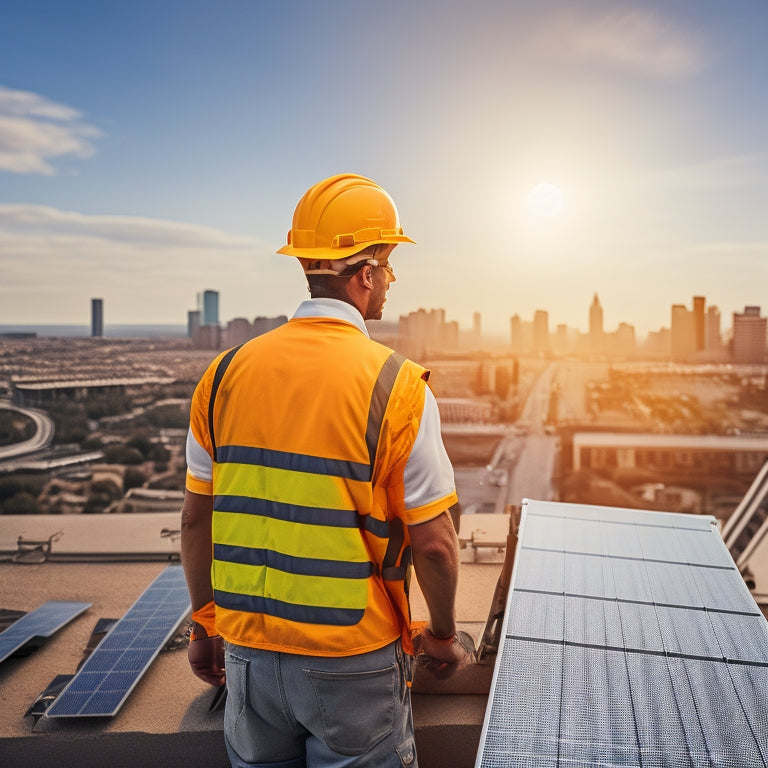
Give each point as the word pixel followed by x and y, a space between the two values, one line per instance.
pixel 237 694
pixel 357 709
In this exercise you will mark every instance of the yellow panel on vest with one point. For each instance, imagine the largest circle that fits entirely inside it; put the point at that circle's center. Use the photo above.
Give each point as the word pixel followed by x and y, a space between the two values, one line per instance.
pixel 284 485
pixel 321 591
pixel 314 541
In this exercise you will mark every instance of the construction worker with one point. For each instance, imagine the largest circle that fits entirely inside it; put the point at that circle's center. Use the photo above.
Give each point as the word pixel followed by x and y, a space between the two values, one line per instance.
pixel 316 472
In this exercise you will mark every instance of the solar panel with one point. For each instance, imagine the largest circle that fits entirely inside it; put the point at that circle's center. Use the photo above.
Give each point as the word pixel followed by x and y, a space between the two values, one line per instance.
pixel 110 673
pixel 749 520
pixel 42 622
pixel 629 639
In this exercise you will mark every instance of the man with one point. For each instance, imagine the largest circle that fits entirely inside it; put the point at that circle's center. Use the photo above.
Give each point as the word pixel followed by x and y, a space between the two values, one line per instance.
pixel 316 470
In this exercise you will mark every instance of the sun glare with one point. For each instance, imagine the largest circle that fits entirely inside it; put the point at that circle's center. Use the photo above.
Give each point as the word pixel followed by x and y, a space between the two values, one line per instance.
pixel 545 201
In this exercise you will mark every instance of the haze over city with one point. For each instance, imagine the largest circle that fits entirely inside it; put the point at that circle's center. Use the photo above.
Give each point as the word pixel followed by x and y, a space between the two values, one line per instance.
pixel 537 154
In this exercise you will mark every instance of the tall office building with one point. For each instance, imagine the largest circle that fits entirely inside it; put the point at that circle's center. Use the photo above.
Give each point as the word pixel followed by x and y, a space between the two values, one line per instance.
pixel 541 331
pixel 749 336
pixel 699 322
pixel 210 308
pixel 516 334
pixel 683 333
pixel 596 333
pixel 193 323
pixel 477 329
pixel 712 338
pixel 97 317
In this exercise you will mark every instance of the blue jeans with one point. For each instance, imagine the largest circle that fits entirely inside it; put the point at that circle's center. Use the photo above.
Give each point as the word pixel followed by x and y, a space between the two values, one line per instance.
pixel 289 711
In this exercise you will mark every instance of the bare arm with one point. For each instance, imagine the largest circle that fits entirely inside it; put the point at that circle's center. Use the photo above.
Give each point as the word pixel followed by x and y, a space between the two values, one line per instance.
pixel 206 649
pixel 196 547
pixel 436 562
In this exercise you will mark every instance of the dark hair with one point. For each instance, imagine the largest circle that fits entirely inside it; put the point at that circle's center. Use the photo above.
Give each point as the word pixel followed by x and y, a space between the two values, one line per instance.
pixel 335 286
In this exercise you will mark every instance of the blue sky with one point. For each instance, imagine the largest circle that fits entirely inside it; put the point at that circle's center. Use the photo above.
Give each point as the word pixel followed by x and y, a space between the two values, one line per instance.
pixel 151 150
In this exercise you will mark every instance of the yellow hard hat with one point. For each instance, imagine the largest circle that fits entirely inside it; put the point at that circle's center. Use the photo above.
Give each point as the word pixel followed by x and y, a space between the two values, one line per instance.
pixel 339 217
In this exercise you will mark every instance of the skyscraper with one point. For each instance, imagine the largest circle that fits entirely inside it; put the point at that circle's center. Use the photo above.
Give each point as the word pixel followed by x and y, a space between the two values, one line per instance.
pixel 97 317
pixel 193 322
pixel 683 333
pixel 699 322
pixel 477 329
pixel 541 330
pixel 210 308
pixel 596 334
pixel 749 336
pixel 712 338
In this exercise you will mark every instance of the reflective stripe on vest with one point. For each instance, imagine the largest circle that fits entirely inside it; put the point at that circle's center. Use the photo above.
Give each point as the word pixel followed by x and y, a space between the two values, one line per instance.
pixel 262 496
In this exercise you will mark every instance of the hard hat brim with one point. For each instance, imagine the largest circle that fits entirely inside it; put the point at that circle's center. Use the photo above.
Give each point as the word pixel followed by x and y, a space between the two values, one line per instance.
pixel 340 253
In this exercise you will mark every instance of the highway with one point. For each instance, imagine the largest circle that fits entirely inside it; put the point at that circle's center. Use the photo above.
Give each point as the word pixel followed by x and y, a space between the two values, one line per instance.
pixel 524 460
pixel 40 441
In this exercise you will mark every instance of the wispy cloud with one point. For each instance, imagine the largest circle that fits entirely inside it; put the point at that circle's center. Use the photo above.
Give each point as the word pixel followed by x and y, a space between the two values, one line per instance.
pixel 52 260
pixel 632 38
pixel 44 221
pixel 34 130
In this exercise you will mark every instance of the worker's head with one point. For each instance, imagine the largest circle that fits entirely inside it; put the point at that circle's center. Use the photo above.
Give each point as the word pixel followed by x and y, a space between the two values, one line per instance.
pixel 363 284
pixel 344 229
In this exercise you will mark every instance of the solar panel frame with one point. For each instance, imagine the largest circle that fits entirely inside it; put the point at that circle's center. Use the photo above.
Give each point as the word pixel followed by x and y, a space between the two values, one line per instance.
pixel 642 649
pixel 111 672
pixel 43 622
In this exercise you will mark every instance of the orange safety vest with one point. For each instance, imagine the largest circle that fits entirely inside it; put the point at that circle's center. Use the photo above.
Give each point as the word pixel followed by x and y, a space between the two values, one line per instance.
pixel 310 428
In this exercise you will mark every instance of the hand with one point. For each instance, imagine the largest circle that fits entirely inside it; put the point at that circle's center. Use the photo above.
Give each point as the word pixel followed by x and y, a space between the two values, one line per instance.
pixel 443 656
pixel 206 657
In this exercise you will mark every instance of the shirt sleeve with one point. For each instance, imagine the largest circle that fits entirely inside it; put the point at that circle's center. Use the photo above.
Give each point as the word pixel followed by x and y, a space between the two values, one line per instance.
pixel 428 477
pixel 199 450
pixel 199 467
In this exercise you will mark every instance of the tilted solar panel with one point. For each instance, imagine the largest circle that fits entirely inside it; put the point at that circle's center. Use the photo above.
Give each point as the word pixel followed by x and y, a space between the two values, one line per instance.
pixel 629 639
pixel 110 673
pixel 42 622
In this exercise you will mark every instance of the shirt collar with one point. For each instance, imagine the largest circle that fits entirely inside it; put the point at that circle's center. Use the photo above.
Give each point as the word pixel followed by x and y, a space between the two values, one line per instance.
pixel 333 308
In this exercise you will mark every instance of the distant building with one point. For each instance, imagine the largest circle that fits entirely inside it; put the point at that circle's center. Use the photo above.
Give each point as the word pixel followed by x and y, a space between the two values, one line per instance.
pixel 210 308
pixel 561 339
pixel 193 322
pixel 702 455
pixel 477 329
pixel 749 336
pixel 424 331
pixel 516 334
pixel 208 337
pixel 596 333
pixel 658 343
pixel 97 317
pixel 683 334
pixel 624 339
pixel 541 331
pixel 712 337
pixel 238 332
pixel 266 324
pixel 699 323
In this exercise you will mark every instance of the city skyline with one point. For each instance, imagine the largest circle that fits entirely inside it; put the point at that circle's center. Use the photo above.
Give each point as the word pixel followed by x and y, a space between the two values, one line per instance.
pixel 537 154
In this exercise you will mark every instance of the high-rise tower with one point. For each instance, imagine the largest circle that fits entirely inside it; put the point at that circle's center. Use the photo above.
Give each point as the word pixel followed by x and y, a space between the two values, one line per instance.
pixel 97 317
pixel 210 308
pixel 699 322
pixel 596 335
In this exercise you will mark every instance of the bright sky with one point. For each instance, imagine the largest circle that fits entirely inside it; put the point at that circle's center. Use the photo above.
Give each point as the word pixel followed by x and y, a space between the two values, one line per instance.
pixel 151 150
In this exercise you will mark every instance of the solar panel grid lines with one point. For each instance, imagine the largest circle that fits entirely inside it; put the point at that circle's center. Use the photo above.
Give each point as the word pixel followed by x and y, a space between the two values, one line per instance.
pixel 110 673
pixel 44 621
pixel 629 637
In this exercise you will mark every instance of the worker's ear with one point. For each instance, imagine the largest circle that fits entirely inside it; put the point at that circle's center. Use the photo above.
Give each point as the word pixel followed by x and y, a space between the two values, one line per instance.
pixel 366 276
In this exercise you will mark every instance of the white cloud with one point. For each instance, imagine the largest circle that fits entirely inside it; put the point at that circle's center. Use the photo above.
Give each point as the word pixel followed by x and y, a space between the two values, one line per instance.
pixel 44 221
pixel 147 270
pixel 34 130
pixel 635 39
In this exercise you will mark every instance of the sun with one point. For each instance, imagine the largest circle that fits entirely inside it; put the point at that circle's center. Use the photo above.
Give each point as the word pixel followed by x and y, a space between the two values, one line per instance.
pixel 545 201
